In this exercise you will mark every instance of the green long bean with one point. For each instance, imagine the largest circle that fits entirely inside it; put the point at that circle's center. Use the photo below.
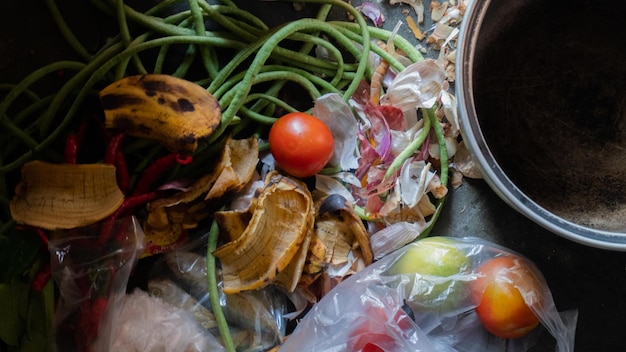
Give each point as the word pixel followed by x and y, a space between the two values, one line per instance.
pixel 65 30
pixel 214 295
pixel 443 177
pixel 125 35
pixel 417 142
pixel 35 76
pixel 72 84
pixel 198 25
pixel 263 54
pixel 238 28
pixel 379 33
pixel 443 150
pixel 261 77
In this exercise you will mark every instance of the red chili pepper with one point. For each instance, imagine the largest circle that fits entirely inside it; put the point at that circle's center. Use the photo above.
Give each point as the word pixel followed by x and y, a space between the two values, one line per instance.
pixel 121 171
pixel 113 147
pixel 74 142
pixel 129 205
pixel 156 169
pixel 183 159
pixel 43 276
pixel 90 315
pixel 71 149
pixel 133 202
pixel 41 235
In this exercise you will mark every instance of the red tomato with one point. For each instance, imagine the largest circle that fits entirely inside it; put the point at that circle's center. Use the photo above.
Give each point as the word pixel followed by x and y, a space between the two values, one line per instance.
pixel 301 144
pixel 369 335
pixel 500 305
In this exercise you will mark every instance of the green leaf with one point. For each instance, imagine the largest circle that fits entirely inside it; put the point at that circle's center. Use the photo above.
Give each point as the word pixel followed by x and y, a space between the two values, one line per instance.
pixel 27 316
pixel 12 326
pixel 18 252
pixel 35 341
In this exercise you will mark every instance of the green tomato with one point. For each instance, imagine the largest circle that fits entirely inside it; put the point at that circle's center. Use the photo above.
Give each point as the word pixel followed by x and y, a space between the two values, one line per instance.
pixel 434 266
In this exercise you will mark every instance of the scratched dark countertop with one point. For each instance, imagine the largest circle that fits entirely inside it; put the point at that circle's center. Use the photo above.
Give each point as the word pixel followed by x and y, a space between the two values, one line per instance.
pixel 591 280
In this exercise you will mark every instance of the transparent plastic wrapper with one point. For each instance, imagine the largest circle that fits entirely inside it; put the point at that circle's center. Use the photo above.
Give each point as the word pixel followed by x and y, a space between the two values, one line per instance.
pixel 91 266
pixel 255 318
pixel 423 297
pixel 148 324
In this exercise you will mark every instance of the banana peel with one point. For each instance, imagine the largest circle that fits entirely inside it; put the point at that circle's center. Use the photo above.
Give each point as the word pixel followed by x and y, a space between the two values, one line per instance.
pixel 65 196
pixel 282 217
pixel 338 235
pixel 232 223
pixel 285 239
pixel 315 262
pixel 169 217
pixel 292 275
pixel 176 112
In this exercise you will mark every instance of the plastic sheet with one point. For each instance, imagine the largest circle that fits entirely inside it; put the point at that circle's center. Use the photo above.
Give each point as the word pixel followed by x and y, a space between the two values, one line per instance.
pixel 400 310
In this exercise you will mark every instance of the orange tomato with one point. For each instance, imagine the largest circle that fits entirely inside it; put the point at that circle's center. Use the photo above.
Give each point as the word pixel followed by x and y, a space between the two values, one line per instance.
pixel 498 294
pixel 301 144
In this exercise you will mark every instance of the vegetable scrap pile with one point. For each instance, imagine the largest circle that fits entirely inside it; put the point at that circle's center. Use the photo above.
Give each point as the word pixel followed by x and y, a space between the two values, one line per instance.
pixel 170 121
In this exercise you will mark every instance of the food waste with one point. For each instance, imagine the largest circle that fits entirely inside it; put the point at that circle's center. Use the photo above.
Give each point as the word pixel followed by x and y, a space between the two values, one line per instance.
pixel 197 178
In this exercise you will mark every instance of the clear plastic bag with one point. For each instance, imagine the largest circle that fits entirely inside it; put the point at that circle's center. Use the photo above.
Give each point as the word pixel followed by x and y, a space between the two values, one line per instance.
pixel 255 318
pixel 401 304
pixel 91 266
pixel 148 324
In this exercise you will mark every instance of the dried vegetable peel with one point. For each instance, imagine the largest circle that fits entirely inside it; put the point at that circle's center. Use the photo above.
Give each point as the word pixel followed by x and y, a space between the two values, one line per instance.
pixel 176 112
pixel 282 216
pixel 65 196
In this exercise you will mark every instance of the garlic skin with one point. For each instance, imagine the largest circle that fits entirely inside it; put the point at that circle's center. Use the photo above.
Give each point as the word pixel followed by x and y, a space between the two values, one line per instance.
pixel 418 86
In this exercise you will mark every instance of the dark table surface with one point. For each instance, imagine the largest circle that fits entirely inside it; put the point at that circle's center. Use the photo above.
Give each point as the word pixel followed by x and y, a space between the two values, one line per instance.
pixel 591 280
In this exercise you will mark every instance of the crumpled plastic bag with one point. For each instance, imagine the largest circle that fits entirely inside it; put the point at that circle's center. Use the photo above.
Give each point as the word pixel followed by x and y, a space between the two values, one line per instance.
pixel 390 309
pixel 91 266
pixel 149 324
pixel 255 318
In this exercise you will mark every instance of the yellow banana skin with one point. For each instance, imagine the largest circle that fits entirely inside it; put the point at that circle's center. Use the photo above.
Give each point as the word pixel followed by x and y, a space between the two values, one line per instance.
pixel 176 112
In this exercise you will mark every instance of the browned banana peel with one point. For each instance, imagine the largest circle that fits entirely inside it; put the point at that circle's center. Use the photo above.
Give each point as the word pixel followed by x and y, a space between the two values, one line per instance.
pixel 291 276
pixel 338 232
pixel 65 196
pixel 168 217
pixel 282 216
pixel 239 162
pixel 176 112
pixel 315 263
pixel 232 223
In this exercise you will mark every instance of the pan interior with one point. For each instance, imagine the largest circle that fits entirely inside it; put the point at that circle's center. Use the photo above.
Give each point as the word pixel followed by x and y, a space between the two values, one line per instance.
pixel 549 83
